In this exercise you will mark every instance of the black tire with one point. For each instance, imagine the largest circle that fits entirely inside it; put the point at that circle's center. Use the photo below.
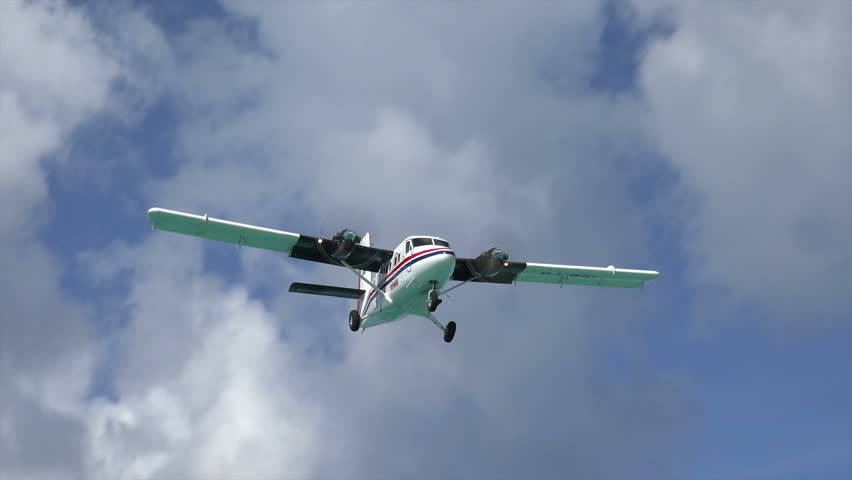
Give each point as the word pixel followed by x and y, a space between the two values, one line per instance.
pixel 354 320
pixel 433 301
pixel 450 332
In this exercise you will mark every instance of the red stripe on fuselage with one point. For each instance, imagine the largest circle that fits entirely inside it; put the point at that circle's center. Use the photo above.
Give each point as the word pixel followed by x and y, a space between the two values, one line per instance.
pixel 402 265
pixel 403 262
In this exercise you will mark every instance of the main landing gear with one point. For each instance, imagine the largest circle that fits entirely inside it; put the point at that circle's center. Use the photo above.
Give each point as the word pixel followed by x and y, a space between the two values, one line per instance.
pixel 354 320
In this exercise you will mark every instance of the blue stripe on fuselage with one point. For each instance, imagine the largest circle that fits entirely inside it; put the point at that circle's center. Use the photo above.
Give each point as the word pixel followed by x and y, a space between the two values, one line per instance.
pixel 403 267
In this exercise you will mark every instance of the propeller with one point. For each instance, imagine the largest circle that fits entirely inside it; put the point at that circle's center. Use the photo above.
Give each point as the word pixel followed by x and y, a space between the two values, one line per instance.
pixel 489 263
pixel 344 240
pixel 492 264
pixel 340 246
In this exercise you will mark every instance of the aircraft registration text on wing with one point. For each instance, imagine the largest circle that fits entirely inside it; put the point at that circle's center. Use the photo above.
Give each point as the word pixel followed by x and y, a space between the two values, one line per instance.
pixel 393 284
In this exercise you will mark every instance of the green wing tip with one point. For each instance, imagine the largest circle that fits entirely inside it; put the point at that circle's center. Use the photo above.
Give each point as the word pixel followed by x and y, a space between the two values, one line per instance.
pixel 152 213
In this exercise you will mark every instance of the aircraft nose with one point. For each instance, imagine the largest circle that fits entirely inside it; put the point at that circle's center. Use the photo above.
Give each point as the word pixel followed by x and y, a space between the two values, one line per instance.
pixel 447 262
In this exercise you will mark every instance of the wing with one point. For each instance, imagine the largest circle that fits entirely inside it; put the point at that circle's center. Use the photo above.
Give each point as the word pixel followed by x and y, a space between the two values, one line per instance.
pixel 594 276
pixel 559 274
pixel 298 246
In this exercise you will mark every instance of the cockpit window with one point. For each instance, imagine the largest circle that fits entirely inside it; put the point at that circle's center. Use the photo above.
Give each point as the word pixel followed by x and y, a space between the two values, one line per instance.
pixel 419 242
pixel 441 243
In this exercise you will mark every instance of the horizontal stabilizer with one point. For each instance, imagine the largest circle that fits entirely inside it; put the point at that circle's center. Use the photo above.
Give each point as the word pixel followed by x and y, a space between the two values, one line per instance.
pixel 326 290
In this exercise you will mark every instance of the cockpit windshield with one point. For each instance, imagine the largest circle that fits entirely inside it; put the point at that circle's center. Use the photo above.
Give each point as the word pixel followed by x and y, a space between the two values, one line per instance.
pixel 419 242
pixel 425 241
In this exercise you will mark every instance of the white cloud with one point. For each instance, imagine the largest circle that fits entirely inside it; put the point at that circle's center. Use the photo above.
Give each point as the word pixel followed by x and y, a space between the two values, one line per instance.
pixel 55 65
pixel 54 75
pixel 205 385
pixel 751 104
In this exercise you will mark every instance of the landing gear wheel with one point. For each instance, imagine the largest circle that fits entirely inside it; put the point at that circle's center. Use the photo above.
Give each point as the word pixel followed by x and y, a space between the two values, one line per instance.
pixel 450 332
pixel 354 320
pixel 433 301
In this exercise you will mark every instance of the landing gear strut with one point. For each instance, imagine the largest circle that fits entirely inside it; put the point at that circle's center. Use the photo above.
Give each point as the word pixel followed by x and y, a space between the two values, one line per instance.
pixel 449 330
pixel 355 320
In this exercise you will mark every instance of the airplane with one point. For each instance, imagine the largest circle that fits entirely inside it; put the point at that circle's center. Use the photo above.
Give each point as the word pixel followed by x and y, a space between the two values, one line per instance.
pixel 393 284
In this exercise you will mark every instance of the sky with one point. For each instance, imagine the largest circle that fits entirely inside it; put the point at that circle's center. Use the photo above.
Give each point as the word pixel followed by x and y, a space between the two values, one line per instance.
pixel 707 140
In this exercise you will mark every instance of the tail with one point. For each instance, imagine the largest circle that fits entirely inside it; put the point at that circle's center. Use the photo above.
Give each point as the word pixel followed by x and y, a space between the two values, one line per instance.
pixel 361 302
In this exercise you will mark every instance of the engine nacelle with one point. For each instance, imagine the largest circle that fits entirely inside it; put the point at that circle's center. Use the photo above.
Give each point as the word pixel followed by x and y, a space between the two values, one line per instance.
pixel 490 262
pixel 345 242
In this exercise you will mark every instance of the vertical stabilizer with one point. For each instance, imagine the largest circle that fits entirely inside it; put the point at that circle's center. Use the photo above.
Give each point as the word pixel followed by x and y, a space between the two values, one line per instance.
pixel 365 241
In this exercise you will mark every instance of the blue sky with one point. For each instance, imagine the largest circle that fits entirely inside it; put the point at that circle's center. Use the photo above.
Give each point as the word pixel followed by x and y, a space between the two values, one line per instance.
pixel 705 141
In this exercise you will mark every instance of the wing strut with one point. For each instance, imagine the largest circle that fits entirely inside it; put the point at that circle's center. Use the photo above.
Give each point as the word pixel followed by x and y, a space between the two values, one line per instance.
pixel 444 292
pixel 367 281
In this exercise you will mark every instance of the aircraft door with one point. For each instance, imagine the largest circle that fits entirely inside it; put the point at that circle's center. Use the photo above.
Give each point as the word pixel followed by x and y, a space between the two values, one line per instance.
pixel 383 272
pixel 407 252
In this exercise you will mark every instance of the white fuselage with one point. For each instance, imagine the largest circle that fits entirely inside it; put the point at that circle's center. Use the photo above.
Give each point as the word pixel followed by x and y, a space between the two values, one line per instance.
pixel 406 279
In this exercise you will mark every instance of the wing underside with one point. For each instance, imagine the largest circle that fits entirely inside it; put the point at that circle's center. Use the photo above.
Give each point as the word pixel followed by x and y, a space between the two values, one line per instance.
pixel 592 276
pixel 465 271
pixel 556 274
pixel 222 230
pixel 361 258
pixel 304 247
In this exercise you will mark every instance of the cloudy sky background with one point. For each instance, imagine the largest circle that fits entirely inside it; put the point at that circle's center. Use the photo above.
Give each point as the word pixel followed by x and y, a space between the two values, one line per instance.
pixel 710 141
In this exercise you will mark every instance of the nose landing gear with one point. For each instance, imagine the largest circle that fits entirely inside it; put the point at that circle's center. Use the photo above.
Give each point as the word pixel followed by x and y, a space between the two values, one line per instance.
pixel 432 301
pixel 449 330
